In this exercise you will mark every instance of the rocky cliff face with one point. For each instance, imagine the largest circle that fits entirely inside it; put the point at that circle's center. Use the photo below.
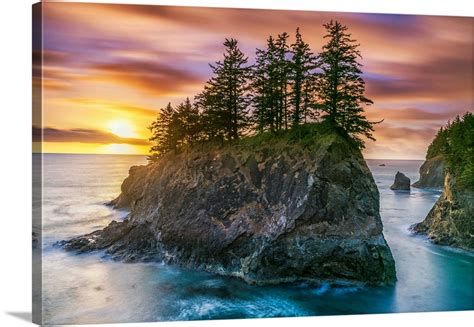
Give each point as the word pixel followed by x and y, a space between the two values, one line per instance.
pixel 267 213
pixel 450 221
pixel 432 173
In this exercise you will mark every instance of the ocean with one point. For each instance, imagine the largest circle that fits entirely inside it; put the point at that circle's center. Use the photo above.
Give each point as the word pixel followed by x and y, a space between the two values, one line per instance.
pixel 89 288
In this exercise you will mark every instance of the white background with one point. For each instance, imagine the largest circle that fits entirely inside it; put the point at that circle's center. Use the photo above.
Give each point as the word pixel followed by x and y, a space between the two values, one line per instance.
pixel 15 158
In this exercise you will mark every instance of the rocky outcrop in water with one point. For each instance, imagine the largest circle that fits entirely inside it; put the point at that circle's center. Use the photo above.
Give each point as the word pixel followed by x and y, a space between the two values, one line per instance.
pixel 401 182
pixel 432 173
pixel 451 220
pixel 273 212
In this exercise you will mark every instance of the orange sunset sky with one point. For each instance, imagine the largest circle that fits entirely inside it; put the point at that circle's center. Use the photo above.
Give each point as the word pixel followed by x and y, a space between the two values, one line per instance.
pixel 108 69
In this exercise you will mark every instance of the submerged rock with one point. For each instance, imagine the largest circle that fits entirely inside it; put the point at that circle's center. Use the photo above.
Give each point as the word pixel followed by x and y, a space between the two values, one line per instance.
pixel 451 220
pixel 432 173
pixel 268 213
pixel 401 182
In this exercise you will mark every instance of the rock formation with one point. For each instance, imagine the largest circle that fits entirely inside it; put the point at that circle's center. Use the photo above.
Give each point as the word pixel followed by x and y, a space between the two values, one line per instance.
pixel 450 154
pixel 401 182
pixel 451 220
pixel 432 173
pixel 279 211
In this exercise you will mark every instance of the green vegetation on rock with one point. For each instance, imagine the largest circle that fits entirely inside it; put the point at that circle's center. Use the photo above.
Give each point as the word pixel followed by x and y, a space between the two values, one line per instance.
pixel 451 220
pixel 455 142
pixel 286 89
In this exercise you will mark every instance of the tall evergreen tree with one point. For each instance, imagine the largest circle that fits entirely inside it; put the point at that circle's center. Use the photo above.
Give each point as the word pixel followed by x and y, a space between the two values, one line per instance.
pixel 187 123
pixel 303 64
pixel 283 70
pixel 283 85
pixel 340 86
pixel 163 132
pixel 225 98
pixel 261 89
pixel 270 85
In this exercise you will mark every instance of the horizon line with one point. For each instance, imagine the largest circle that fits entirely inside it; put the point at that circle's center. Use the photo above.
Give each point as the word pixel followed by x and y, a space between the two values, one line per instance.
pixel 143 155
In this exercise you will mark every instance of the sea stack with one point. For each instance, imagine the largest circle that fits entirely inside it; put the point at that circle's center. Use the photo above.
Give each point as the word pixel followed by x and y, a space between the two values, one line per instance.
pixel 401 182
pixel 274 212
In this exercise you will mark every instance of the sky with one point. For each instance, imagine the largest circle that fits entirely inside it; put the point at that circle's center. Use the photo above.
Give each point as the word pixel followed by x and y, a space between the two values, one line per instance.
pixel 108 69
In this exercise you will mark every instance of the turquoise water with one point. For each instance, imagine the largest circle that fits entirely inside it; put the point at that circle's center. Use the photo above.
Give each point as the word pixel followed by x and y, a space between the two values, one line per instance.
pixel 91 289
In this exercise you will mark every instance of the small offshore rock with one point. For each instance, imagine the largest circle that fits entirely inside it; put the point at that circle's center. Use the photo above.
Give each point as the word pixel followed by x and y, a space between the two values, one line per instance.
pixel 401 182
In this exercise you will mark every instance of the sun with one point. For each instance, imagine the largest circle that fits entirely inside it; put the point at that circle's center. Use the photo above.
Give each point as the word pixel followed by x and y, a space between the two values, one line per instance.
pixel 121 128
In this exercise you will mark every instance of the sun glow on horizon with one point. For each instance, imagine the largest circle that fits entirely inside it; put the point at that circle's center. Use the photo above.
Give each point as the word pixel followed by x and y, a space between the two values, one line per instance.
pixel 89 148
pixel 119 149
pixel 122 128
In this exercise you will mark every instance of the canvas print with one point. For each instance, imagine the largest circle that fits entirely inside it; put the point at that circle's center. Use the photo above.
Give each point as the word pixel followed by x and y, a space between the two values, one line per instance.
pixel 205 163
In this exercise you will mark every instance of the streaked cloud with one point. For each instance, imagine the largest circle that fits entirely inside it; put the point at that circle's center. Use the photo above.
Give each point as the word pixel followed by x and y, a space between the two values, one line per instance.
pixel 103 60
pixel 48 134
pixel 153 77
pixel 413 116
pixel 434 79
pixel 115 107
pixel 400 142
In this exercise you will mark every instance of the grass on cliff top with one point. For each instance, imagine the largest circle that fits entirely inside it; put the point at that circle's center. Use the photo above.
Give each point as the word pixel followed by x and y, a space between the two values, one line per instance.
pixel 308 136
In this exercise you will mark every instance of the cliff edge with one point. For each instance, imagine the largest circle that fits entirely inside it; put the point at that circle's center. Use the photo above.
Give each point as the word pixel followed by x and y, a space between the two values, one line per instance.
pixel 267 212
pixel 432 173
pixel 450 221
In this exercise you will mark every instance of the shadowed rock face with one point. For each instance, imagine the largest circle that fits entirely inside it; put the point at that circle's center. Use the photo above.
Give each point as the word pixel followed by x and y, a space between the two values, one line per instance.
pixel 432 173
pixel 451 220
pixel 269 213
pixel 401 182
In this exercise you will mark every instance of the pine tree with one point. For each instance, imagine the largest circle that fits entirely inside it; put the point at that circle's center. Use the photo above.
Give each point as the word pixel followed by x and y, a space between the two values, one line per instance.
pixel 163 136
pixel 187 123
pixel 303 64
pixel 262 114
pixel 270 85
pixel 225 98
pixel 283 69
pixel 458 150
pixel 288 85
pixel 340 86
pixel 272 97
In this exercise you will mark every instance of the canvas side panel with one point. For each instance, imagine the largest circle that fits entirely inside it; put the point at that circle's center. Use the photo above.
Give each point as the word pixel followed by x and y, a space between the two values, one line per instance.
pixel 37 196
